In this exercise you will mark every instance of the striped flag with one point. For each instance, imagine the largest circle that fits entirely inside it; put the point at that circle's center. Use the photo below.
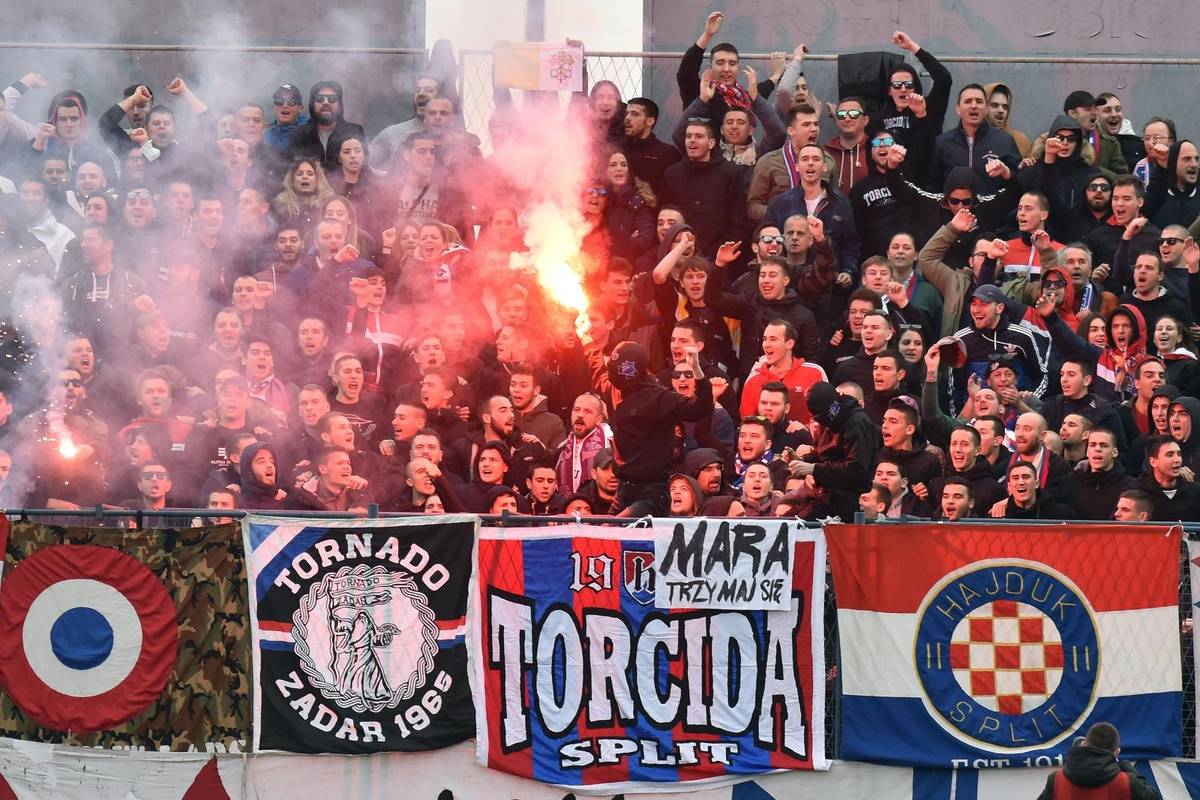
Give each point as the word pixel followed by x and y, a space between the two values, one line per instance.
pixel 990 646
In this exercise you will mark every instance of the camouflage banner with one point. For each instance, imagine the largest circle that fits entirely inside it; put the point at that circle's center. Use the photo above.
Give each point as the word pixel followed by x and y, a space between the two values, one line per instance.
pixel 359 633
pixel 125 639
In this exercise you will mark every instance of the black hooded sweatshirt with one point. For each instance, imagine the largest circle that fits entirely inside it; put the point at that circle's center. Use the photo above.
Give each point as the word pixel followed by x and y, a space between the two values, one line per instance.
pixel 1099 491
pixel 306 139
pixel 846 449
pixel 1165 203
pixel 1064 183
pixel 644 427
pixel 255 494
pixel 1091 768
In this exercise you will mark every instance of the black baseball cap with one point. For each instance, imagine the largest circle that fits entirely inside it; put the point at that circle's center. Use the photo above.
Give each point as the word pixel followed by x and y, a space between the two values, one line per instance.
pixel 1079 99
pixel 286 91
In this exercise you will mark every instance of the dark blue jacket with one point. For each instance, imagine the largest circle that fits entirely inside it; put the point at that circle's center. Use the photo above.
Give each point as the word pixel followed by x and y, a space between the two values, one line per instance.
pixel 953 150
pixel 834 210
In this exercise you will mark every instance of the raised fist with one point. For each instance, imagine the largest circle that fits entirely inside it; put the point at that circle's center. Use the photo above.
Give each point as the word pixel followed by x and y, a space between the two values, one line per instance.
pixel 816 227
pixel 177 86
pixel 139 136
pixel 142 94
pixel 997 249
pixel 1134 227
pixel 1053 148
pixel 33 80
pixel 962 221
pixel 916 102
pixel 904 42
pixel 896 155
pixel 799 51
pixel 712 23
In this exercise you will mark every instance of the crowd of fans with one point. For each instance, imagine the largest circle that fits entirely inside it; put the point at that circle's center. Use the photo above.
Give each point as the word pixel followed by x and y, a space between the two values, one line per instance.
pixel 897 317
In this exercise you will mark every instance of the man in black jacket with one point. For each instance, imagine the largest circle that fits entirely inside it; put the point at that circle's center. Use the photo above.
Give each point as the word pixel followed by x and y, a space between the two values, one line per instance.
pixel 707 189
pixel 643 423
pixel 973 143
pixel 1093 766
pixel 846 449
pixel 1025 501
pixel 648 155
pixel 1102 479
pixel 322 136
pixel 964 464
pixel 1174 498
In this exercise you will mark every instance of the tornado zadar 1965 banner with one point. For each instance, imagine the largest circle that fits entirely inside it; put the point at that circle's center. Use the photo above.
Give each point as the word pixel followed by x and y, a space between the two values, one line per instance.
pixel 585 677
pixel 359 633
pixel 995 645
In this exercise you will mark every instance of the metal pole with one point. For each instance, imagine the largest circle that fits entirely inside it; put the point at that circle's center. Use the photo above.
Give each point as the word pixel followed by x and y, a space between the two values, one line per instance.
pixel 215 48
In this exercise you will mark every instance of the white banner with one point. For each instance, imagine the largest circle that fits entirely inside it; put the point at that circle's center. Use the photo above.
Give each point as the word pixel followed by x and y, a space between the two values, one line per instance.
pixel 738 565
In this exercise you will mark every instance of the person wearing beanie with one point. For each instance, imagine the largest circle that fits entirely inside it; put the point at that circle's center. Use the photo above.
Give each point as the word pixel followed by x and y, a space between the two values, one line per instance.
pixel 322 137
pixel 840 463
pixel 643 419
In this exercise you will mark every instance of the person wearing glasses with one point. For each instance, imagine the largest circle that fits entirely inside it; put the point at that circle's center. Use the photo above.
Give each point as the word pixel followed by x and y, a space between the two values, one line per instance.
pixel 849 147
pixel 878 214
pixel 1158 130
pixel 909 113
pixel 287 104
pixel 322 136
pixel 1064 171
pixel 154 484
pixel 1081 106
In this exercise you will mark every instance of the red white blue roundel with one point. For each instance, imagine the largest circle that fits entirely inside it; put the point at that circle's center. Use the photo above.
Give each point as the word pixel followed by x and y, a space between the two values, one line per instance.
pixel 88 637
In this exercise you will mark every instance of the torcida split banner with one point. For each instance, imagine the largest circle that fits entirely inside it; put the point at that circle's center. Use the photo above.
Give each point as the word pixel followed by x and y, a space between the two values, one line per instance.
pixel 584 678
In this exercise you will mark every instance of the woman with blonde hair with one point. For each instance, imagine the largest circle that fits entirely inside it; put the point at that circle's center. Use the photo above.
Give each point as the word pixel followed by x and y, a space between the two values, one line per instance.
pixel 301 204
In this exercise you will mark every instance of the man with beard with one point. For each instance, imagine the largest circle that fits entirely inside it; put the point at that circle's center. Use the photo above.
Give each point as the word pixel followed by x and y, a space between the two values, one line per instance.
pixel 648 155
pixel 1025 501
pixel 587 436
pixel 964 463
pixel 321 138
pixel 333 488
pixel 497 426
pixel 601 490
pixel 1073 434
pixel 999 114
pixel 839 466
pixel 812 267
pixel 1102 479
pixel 1172 196
pixel 1061 176
pixel 64 447
pixel 1054 475
pixel 1182 420
pixel 990 333
pixel 1174 498
pixel 1096 207
pixel 778 171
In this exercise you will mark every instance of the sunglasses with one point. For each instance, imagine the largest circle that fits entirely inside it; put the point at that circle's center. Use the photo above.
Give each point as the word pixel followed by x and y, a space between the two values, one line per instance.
pixel 683 374
pixel 903 84
pixel 1169 241
pixel 598 191
pixel 962 202
pixel 326 98
pixel 1054 284
pixel 849 113
pixel 154 476
pixel 883 141
pixel 1070 137
pixel 72 383
pixel 769 239
pixel 138 194
pixel 287 102
pixel 1099 187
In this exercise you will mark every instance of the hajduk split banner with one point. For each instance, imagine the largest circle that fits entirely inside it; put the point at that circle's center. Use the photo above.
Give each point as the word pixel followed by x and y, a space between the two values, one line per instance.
pixel 981 645
pixel 686 651
pixel 359 633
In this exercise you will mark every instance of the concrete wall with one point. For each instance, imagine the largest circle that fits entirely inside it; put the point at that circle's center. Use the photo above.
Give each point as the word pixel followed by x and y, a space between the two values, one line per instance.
pixel 1009 28
pixel 378 86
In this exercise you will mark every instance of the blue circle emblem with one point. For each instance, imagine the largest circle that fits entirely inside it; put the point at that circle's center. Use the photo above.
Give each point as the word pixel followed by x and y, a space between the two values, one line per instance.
pixel 1008 655
pixel 81 638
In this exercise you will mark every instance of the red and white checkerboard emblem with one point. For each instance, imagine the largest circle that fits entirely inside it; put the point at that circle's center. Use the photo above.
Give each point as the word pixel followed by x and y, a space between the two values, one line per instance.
pixel 1008 656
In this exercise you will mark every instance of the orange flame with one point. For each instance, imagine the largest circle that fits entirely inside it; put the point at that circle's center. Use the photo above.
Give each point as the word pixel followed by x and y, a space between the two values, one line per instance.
pixel 554 235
